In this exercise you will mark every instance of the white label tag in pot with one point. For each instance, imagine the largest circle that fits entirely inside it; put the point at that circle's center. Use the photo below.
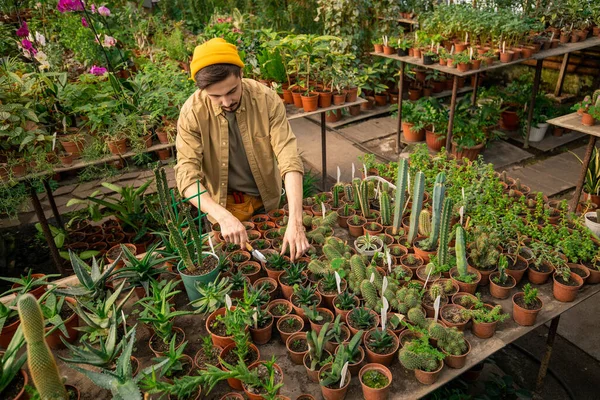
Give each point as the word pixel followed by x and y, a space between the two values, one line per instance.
pixel 353 171
pixel 210 243
pixel 389 261
pixel 228 301
pixel 436 307
pixel 54 141
pixel 338 282
pixel 384 285
pixel 255 318
pixel 323 209
pixel 428 275
pixel 365 169
pixel 461 212
pixel 384 311
pixel 339 174
pixel 344 372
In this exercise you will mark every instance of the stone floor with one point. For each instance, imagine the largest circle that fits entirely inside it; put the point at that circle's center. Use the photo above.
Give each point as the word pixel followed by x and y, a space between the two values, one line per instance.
pixel 547 167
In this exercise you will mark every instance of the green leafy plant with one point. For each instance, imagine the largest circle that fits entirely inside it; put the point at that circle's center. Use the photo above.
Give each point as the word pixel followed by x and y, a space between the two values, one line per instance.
pixel 26 283
pixel 419 354
pixel 530 295
pixel 316 347
pixel 361 318
pixel 92 279
pixel 380 341
pixel 212 295
pixel 140 271
pixel 345 301
pixel 174 356
pixel 333 375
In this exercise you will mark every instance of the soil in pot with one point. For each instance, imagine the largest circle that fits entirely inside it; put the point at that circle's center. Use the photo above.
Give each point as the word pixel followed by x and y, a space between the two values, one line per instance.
pixel 16 388
pixel 231 358
pixel 290 325
pixel 158 345
pixel 202 359
pixel 452 316
pixel 501 290
pixel 525 314
pixel 263 375
pixel 280 309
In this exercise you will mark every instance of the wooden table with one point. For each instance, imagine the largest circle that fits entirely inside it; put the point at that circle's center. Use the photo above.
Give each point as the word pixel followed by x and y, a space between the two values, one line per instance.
pixel 563 49
pixel 573 122
pixel 295 113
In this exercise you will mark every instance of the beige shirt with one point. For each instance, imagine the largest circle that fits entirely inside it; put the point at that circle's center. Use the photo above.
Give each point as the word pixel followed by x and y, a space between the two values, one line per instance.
pixel 203 143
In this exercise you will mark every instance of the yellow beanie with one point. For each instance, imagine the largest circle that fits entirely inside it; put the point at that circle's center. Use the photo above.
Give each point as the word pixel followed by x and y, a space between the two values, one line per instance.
pixel 214 51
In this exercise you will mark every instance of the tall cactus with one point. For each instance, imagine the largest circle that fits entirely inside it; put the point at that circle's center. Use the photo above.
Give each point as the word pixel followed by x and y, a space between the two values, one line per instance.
pixel 384 207
pixel 442 253
pixel 363 197
pixel 42 365
pixel 355 193
pixel 400 196
pixel 417 204
pixel 425 223
pixel 439 189
pixel 461 252
pixel 335 196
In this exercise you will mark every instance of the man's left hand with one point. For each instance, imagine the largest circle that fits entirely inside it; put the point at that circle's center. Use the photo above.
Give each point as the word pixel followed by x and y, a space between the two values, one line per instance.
pixel 295 239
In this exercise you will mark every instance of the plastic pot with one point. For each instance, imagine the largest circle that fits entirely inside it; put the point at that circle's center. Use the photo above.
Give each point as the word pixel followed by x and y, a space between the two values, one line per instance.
pixel 295 356
pixel 457 362
pixel 337 393
pixel 537 134
pixel 428 378
pixel 564 292
pixel 189 281
pixel 285 335
pixel 524 316
pixel 383 359
pixel 498 291
pixel 262 335
pixel 375 393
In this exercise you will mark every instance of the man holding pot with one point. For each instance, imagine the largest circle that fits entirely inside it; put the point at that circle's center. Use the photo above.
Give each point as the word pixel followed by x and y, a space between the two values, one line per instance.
pixel 234 138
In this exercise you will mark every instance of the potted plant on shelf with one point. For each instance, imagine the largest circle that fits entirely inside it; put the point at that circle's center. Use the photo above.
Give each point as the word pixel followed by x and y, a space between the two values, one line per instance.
pixel 158 313
pixel 485 318
pixel 412 126
pixel 427 362
pixel 316 356
pixel 375 380
pixel 501 283
pixel 566 283
pixel 466 279
pixel 334 378
pixel 381 346
pixel 526 306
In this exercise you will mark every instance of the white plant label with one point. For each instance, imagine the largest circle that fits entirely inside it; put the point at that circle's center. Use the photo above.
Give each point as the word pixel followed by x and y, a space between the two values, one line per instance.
pixel 384 310
pixel 384 285
pixel 338 282
pixel 344 372
pixel 436 307
pixel 463 193
pixel 210 243
pixel 353 171
pixel 255 318
pixel 389 261
pixel 452 50
pixel 366 172
pixel 372 278
pixel 461 212
pixel 54 141
pixel 339 174
pixel 428 275
pixel 323 209
pixel 228 302
pixel 408 182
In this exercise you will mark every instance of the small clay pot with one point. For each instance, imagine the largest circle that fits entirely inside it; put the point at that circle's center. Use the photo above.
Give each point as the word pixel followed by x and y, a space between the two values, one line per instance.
pixel 428 378
pixel 566 293
pixel 498 291
pixel 457 362
pixel 375 393
pixel 524 316
pixel 383 359
pixel 296 357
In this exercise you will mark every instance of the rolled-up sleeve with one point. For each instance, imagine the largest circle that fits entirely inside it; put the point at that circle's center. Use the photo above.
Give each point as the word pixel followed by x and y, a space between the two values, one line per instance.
pixel 283 139
pixel 189 151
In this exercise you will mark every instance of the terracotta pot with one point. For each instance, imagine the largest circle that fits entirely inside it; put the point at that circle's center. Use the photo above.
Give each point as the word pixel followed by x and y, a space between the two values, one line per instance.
pixel 381 99
pixel 118 147
pixel 318 326
pixel 284 335
pixel 470 153
pixel 252 396
pixel 356 230
pixel 457 362
pixel 232 395
pixel 466 287
pixel 313 376
pixel 262 335
pixel 461 325
pixel 587 119
pixel 163 154
pixel 507 56
pixel 73 145
pixel 256 272
pixel 524 316
pixel 37 291
pixel 70 324
pixel 564 292
pixel 539 278
pixel 297 97
pixel 288 290
pixel 300 312
pixel 414 94
pixel 158 353
pixel 517 273
pixel 351 94
pixel 353 330
pixel 378 48
pixel 328 298
pixel 66 159
pixel 334 394
pixel 325 99
pixel 311 102
pixel 484 330
pixel 594 275
pixel 434 142
pixel 7 333
pixel 411 135
pixel 296 357
pixel 343 313
pixel 343 219
pixel 339 98
pixel 287 96
pixel 501 292
pixel 463 67
pixel 424 254
pixel 234 383
pixel 383 359
pixel 428 378
pixel 113 252
pixel 373 393
pixel 221 341
pixel 485 275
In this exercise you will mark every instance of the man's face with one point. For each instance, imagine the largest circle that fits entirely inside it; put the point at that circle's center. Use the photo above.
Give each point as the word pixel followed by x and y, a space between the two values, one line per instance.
pixel 227 93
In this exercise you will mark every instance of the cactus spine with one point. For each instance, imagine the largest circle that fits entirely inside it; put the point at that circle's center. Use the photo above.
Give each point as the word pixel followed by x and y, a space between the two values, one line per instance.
pixel 400 196
pixel 42 365
pixel 384 207
pixel 442 253
pixel 461 253
pixel 417 204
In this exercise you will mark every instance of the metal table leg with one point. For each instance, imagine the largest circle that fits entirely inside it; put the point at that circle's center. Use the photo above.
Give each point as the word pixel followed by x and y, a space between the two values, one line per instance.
pixel 400 99
pixel 37 206
pixel 452 111
pixel 546 360
pixel 536 87
pixel 323 151
pixel 586 162
pixel 53 204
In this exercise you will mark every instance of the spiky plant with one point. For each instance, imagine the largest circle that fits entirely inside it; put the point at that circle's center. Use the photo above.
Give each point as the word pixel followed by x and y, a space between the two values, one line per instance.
pixel 483 253
pixel 400 196
pixel 442 253
pixel 361 318
pixel 419 354
pixel 333 375
pixel 212 295
pixel 42 365
pixel 380 341
pixel 385 207
pixel 453 342
pixel 316 347
pixel 417 204
pixel 425 224
pixel 352 348
pixel 345 301
pixel 92 279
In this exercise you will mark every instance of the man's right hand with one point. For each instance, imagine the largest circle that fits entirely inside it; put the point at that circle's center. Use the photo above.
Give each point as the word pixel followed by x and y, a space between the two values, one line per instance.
pixel 232 230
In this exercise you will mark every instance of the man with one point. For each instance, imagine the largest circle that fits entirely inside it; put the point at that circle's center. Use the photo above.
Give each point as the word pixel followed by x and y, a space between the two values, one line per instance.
pixel 233 136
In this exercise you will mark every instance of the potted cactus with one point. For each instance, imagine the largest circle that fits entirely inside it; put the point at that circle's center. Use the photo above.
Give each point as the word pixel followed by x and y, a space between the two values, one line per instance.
pixel 420 356
pixel 500 282
pixel 467 278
